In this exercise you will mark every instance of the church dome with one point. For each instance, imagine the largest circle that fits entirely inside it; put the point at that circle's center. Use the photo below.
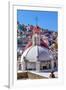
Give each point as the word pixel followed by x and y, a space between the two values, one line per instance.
pixel 36 53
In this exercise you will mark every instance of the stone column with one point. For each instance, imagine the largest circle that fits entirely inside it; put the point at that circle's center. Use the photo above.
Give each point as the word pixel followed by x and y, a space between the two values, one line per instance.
pixel 52 65
pixel 23 66
pixel 17 65
pixel 37 66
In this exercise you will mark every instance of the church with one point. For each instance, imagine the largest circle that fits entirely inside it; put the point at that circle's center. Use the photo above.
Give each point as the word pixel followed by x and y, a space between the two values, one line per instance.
pixel 37 55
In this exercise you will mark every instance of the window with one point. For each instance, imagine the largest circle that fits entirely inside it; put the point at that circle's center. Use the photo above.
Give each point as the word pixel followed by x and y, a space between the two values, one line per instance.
pixel 19 66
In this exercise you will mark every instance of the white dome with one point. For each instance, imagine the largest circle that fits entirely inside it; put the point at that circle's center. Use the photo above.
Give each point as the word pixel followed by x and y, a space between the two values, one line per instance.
pixel 35 53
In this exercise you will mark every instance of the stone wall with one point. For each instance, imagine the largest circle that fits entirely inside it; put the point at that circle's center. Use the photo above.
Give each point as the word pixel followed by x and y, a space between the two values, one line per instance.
pixel 29 75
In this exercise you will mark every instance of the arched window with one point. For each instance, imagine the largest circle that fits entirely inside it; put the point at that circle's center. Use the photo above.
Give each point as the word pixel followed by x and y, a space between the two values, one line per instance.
pixel 55 65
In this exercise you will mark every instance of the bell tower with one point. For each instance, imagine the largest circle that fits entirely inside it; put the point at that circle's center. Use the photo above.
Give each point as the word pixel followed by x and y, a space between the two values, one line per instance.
pixel 36 36
pixel 36 33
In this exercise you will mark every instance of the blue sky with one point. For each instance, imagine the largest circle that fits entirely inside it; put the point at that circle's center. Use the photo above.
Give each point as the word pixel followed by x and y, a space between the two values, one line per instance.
pixel 46 19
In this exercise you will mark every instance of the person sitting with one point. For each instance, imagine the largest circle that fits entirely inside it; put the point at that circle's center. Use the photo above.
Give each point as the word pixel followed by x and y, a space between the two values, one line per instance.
pixel 52 75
